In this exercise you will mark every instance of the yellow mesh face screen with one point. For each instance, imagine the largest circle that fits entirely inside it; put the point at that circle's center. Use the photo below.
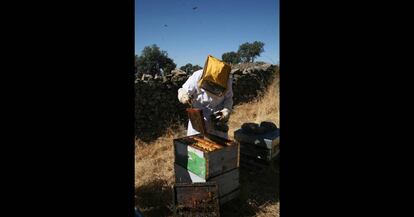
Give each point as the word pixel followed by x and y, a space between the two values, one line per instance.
pixel 215 76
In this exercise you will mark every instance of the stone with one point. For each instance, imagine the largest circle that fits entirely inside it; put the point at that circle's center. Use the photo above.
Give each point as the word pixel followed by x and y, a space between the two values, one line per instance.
pixel 177 72
pixel 146 77
pixel 157 106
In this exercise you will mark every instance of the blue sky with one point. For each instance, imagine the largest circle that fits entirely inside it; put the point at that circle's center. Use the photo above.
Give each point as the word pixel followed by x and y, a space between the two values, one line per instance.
pixel 215 27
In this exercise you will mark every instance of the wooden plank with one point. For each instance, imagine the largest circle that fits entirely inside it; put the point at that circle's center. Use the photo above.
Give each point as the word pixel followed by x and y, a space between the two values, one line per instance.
pixel 266 140
pixel 180 152
pixel 226 182
pixel 230 196
pixel 253 168
pixel 197 119
pixel 258 152
pixel 254 164
pixel 183 175
pixel 223 160
pixel 190 157
pixel 206 164
pixel 199 199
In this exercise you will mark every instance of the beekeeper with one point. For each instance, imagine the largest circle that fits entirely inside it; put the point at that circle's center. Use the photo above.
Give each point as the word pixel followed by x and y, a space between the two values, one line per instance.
pixel 209 89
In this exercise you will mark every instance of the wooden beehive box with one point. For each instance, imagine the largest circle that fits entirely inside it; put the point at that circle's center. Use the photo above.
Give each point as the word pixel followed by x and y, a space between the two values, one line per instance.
pixel 197 199
pixel 203 161
pixel 228 182
pixel 261 146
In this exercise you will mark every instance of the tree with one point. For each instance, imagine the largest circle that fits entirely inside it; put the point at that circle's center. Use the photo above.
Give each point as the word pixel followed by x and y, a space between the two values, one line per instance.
pixel 249 51
pixel 152 60
pixel 189 68
pixel 196 68
pixel 231 57
pixel 137 73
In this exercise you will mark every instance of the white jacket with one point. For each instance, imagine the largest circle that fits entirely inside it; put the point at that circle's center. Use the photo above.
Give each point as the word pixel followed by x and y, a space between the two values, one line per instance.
pixel 208 102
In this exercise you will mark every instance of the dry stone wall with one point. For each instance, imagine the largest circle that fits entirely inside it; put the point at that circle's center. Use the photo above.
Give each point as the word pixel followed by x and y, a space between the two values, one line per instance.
pixel 157 106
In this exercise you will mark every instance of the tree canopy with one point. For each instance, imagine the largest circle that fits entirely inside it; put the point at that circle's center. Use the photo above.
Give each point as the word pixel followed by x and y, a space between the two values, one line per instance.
pixel 152 60
pixel 249 51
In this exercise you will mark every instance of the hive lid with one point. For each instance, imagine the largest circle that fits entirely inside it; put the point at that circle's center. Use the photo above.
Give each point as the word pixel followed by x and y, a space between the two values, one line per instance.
pixel 197 120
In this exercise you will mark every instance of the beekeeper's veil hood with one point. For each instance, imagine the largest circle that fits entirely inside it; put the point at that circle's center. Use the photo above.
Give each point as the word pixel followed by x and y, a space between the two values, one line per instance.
pixel 215 76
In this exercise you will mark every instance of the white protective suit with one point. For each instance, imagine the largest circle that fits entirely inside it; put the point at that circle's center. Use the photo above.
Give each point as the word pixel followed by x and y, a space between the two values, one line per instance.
pixel 208 102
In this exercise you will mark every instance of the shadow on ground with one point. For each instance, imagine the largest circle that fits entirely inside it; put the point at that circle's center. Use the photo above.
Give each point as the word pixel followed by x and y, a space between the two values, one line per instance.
pixel 154 199
pixel 257 189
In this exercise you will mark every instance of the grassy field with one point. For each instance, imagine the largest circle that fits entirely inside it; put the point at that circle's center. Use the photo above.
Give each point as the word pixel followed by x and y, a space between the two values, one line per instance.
pixel 154 173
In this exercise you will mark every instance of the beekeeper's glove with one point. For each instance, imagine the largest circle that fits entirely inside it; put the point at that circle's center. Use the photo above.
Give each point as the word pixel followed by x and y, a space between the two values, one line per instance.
pixel 183 96
pixel 224 115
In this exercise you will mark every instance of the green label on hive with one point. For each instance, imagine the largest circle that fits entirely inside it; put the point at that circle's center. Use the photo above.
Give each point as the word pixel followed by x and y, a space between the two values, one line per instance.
pixel 196 162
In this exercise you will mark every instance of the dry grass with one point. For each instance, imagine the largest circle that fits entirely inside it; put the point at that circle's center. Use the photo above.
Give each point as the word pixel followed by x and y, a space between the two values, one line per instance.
pixel 264 109
pixel 154 173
